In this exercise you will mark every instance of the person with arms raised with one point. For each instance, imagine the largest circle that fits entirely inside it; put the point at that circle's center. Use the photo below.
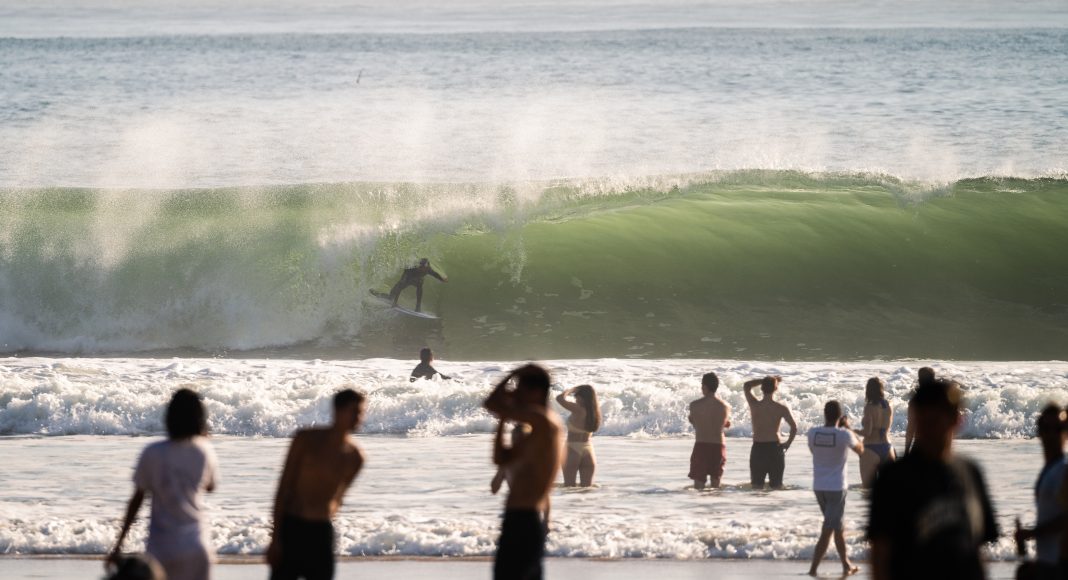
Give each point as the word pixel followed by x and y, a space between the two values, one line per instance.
pixel 767 458
pixel 532 463
pixel 585 419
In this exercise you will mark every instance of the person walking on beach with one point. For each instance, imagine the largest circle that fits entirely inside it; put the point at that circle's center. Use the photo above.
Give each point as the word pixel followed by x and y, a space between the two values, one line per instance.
pixel 320 467
pixel 1052 516
pixel 174 473
pixel 767 459
pixel 424 370
pixel 875 429
pixel 585 419
pixel 709 416
pixel 414 277
pixel 830 446
pixel 924 376
pixel 930 512
pixel 533 465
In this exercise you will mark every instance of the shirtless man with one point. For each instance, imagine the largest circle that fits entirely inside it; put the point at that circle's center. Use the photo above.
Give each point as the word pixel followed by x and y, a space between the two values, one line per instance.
pixel 533 462
pixel 414 277
pixel 768 456
pixel 709 416
pixel 321 465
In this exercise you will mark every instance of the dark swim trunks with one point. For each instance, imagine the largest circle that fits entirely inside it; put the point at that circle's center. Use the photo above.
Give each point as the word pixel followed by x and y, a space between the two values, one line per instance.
pixel 521 546
pixel 767 459
pixel 880 449
pixel 707 460
pixel 307 550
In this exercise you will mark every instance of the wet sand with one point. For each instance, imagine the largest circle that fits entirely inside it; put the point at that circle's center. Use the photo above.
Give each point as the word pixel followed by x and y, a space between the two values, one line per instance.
pixel 64 568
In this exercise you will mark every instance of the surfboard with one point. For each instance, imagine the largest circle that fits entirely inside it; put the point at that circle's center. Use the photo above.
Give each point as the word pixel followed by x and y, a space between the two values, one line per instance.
pixel 385 299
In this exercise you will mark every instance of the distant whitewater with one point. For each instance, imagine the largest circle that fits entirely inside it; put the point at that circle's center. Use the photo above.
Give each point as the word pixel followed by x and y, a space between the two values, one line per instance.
pixel 639 398
pixel 746 264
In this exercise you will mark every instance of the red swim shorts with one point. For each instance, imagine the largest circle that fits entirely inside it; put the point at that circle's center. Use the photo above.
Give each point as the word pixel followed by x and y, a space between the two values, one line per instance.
pixel 707 460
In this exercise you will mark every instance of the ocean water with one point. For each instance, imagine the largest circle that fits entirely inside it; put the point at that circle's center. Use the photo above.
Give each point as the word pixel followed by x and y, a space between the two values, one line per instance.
pixel 202 194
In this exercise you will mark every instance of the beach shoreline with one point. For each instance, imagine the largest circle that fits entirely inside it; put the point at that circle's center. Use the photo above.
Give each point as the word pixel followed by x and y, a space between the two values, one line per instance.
pixel 419 568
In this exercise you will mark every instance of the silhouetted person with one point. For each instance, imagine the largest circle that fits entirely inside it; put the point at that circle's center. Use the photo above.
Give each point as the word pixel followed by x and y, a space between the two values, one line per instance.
pixel 321 465
pixel 173 473
pixel 830 446
pixel 585 419
pixel 875 429
pixel 533 464
pixel 709 416
pixel 414 277
pixel 424 370
pixel 930 512
pixel 1052 516
pixel 767 459
pixel 925 375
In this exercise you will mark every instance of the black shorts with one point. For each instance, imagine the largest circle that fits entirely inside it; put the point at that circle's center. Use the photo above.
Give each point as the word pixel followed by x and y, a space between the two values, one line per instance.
pixel 307 550
pixel 521 547
pixel 767 459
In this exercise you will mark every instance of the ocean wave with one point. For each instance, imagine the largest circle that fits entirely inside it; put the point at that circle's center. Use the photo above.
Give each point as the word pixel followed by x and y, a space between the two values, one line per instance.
pixel 638 398
pixel 755 264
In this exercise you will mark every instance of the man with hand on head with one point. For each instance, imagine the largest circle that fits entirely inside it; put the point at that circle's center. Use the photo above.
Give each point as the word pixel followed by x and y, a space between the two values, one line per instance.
pixel 532 463
pixel 321 465
pixel 767 459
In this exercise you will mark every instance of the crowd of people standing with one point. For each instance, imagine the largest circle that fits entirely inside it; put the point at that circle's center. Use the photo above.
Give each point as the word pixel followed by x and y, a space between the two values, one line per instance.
pixel 930 512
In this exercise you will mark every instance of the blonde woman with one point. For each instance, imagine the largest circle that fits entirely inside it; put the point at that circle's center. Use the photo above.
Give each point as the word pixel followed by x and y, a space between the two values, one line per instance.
pixel 584 420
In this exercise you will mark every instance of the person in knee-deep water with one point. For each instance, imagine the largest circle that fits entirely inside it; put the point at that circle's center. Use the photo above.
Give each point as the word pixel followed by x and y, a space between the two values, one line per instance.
pixel 585 419
pixel 767 458
pixel 709 416
pixel 875 431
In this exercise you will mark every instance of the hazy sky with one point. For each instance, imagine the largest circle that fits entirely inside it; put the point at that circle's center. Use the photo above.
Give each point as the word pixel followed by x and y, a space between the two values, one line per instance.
pixel 44 18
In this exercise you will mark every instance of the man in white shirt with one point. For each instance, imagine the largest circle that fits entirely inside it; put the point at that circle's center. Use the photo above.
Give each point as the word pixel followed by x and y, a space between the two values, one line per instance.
pixel 830 446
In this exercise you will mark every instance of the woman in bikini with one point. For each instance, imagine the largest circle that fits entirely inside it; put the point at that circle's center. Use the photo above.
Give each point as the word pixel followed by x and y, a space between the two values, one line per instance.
pixel 584 420
pixel 875 429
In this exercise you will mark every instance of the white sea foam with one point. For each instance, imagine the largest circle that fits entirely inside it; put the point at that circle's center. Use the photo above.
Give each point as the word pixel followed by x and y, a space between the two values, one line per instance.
pixel 639 398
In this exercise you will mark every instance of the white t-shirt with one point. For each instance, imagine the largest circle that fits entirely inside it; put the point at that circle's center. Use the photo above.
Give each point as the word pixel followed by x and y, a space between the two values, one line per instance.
pixel 1049 508
pixel 830 448
pixel 173 473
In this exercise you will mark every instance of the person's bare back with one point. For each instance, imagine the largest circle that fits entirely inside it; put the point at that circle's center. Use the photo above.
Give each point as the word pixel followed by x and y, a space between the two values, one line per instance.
pixel 709 416
pixel 768 414
pixel 535 464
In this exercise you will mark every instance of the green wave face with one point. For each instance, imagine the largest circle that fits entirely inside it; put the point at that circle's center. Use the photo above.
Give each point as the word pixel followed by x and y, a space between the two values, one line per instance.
pixel 740 265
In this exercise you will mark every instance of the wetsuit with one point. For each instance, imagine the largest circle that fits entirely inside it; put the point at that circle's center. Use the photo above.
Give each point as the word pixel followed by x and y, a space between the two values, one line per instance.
pixel 413 277
pixel 425 371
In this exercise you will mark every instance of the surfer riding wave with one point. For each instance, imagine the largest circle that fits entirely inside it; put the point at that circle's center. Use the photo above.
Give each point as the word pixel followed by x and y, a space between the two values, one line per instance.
pixel 414 277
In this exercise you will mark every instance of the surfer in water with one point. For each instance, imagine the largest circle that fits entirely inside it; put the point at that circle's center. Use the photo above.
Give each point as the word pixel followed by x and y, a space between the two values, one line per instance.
pixel 414 277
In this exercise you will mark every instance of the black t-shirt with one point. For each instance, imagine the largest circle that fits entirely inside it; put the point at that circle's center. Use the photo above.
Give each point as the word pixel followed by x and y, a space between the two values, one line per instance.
pixel 935 516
